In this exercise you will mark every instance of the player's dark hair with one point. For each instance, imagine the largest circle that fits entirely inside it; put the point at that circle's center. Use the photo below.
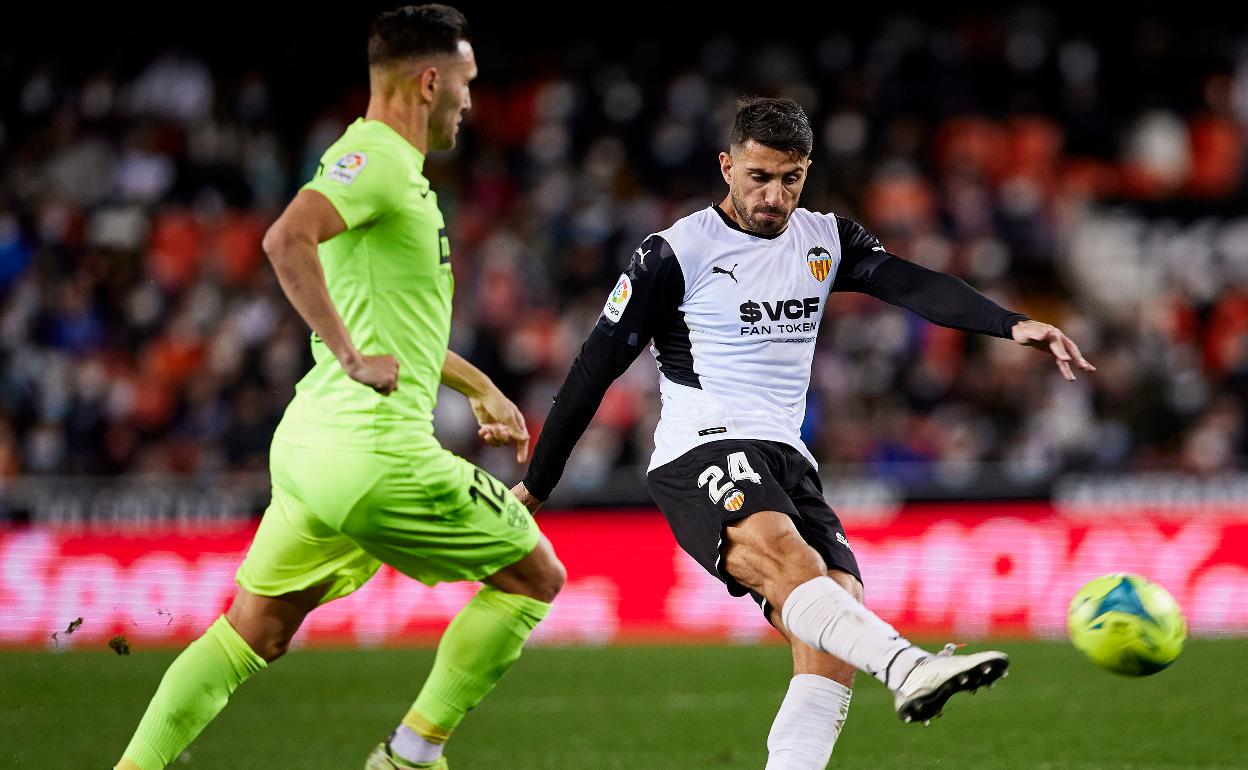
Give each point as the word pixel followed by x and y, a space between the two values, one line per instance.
pixel 780 124
pixel 414 31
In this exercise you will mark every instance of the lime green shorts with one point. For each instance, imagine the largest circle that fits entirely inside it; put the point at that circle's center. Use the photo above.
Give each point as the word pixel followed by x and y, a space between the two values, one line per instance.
pixel 338 515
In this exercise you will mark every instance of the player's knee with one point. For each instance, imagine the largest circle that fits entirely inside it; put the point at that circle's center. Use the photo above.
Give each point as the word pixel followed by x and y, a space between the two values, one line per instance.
pixel 273 647
pixel 268 643
pixel 550 580
pixel 540 575
pixel 775 567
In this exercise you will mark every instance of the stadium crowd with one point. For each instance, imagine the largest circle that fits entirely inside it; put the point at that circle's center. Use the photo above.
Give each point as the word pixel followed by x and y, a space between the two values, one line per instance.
pixel 141 328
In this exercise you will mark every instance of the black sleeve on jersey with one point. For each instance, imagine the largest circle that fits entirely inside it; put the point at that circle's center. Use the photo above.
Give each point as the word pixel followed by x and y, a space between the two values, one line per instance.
pixel 658 288
pixel 602 359
pixel 942 299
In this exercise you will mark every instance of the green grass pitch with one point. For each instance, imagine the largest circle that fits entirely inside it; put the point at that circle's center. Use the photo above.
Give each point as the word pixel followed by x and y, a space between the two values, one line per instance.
pixel 639 708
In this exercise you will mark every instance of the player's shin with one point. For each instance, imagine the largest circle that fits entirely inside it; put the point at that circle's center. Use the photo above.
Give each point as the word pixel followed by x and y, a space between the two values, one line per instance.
pixel 808 724
pixel 825 616
pixel 478 647
pixel 192 692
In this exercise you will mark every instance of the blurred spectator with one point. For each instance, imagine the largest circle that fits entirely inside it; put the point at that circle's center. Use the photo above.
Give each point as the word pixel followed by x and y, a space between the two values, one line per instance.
pixel 141 329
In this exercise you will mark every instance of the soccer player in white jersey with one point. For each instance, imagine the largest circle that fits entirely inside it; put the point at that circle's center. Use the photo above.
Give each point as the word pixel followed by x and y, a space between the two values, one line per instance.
pixel 730 300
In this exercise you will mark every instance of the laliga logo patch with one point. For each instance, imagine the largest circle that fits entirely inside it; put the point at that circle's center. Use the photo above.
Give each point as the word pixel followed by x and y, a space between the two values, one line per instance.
pixel 819 260
pixel 734 500
pixel 620 295
pixel 348 167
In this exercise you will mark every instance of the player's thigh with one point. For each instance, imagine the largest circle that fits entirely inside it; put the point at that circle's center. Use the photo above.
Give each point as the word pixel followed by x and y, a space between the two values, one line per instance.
pixel 708 491
pixel 438 518
pixel 765 552
pixel 821 528
pixel 297 547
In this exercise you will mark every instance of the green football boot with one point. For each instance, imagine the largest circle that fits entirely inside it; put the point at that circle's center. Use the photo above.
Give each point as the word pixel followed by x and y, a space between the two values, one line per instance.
pixel 382 759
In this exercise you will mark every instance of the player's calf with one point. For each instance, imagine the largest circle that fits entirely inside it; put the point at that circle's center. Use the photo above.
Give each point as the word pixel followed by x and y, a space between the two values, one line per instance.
pixel 478 647
pixel 767 554
pixel 820 612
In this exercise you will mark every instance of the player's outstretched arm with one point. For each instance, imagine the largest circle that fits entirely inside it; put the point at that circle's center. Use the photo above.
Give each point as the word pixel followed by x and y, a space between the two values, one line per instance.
pixel 942 299
pixel 501 420
pixel 290 244
pixel 644 298
pixel 601 361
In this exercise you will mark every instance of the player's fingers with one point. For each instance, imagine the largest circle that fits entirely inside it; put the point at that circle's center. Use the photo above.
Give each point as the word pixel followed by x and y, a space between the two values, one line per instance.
pixel 1058 349
pixel 502 433
pixel 1064 367
pixel 517 427
pixel 1083 362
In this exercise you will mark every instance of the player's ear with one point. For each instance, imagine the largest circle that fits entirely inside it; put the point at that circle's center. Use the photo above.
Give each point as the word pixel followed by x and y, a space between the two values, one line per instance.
pixel 428 82
pixel 725 166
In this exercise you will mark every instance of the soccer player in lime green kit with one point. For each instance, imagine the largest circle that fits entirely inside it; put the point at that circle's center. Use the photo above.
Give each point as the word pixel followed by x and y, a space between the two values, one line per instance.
pixel 358 478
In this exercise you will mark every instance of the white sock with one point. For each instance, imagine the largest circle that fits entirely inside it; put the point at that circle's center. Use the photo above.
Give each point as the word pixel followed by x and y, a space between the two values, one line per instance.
pixel 826 617
pixel 808 724
pixel 410 745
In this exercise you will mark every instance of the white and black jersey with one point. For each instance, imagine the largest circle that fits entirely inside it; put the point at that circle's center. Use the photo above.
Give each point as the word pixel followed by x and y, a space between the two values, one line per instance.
pixel 731 317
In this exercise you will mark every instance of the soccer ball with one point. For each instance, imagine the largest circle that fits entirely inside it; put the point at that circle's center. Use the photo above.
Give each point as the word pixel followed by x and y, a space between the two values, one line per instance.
pixel 1126 624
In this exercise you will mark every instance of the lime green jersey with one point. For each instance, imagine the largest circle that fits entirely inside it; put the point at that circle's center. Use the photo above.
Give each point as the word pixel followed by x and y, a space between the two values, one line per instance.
pixel 389 276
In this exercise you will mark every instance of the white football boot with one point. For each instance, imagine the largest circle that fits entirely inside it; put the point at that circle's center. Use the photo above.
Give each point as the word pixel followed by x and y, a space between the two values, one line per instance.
pixel 921 697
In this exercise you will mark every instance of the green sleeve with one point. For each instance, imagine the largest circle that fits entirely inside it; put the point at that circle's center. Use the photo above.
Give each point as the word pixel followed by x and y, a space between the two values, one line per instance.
pixel 363 185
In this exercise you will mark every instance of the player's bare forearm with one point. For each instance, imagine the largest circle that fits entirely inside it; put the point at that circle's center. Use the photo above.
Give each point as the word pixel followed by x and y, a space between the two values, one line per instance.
pixel 290 245
pixel 458 374
pixel 501 420
pixel 299 272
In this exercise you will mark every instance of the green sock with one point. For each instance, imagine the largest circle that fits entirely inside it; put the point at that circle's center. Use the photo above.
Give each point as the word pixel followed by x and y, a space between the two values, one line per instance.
pixel 478 647
pixel 192 692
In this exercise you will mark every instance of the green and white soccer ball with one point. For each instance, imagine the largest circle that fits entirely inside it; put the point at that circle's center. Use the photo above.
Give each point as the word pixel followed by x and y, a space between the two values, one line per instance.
pixel 1126 624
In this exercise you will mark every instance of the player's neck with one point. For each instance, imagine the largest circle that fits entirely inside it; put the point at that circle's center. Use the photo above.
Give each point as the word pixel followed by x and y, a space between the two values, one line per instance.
pixel 409 121
pixel 731 211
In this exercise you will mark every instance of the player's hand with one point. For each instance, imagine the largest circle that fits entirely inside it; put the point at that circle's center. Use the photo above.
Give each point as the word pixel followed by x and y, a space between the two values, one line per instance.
pixel 522 494
pixel 501 422
pixel 1042 336
pixel 381 373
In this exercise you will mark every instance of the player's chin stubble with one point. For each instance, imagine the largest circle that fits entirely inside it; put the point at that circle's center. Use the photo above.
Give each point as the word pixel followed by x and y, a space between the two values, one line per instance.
pixel 757 224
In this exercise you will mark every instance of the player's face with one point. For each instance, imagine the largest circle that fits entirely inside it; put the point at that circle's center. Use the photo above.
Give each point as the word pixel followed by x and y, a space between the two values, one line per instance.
pixel 764 184
pixel 453 98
